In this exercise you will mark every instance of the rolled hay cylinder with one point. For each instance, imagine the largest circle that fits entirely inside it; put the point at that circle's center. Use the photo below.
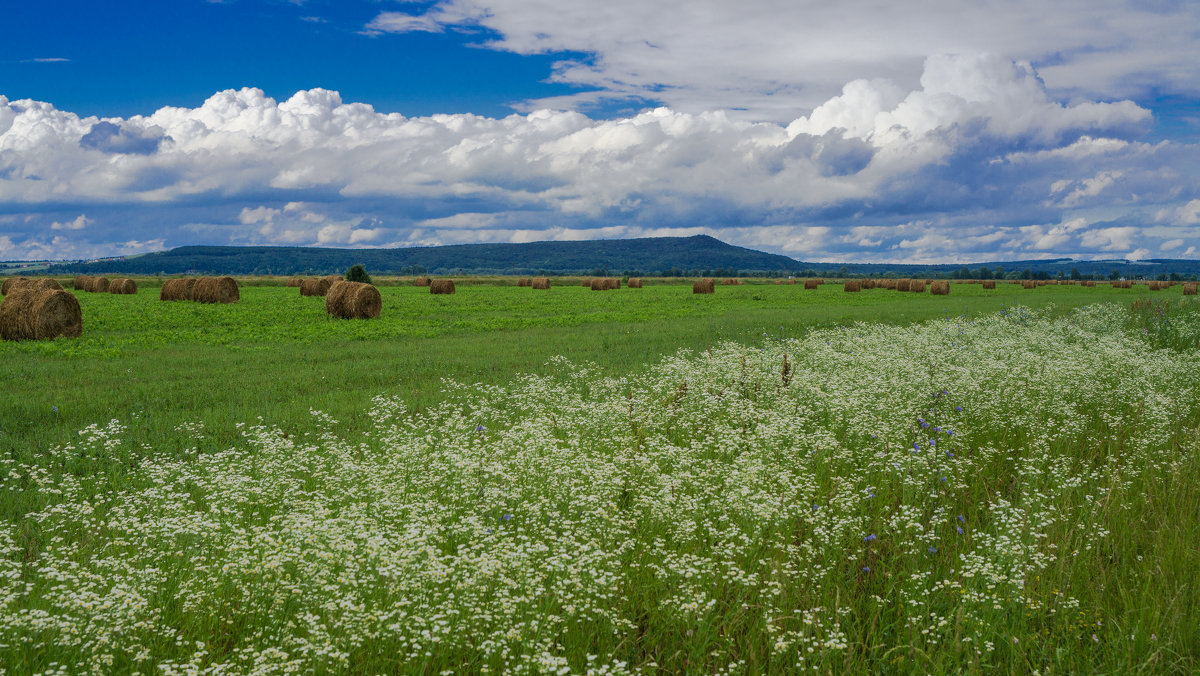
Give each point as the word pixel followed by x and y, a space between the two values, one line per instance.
pixel 40 314
pixel 43 283
pixel 334 279
pixel 868 284
pixel 989 283
pixel 731 282
pixel 1028 284
pixel 851 286
pixel 940 288
pixel 587 282
pixel 1089 282
pixel 441 286
pixel 97 285
pixel 810 284
pixel 294 281
pixel 80 282
pixel 634 283
pixel 1189 288
pixel 599 285
pixel 123 286
pixel 612 283
pixel 902 284
pixel 353 300
pixel 916 285
pixel 704 286
pixel 540 282
pixel 177 289
pixel 524 281
pixel 315 286
pixel 216 290
pixel 421 281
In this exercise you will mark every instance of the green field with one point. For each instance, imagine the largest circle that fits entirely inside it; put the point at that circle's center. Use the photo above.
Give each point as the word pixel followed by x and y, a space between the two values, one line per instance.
pixel 766 479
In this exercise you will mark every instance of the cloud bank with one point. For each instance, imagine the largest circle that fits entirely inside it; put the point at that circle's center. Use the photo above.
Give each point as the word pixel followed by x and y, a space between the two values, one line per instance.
pixel 976 160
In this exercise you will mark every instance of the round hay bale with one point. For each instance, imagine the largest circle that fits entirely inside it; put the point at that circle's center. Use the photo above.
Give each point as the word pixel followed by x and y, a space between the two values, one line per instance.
pixel 177 289
pixel 540 282
pixel 612 283
pixel 940 288
pixel 38 314
pixel 315 286
pixel 43 283
pixel 524 281
pixel 599 285
pixel 441 286
pixel 868 284
pixel 9 283
pixel 421 281
pixel 353 300
pixel 125 286
pixel 216 290
pixel 1028 284
pixel 704 286
pixel 80 283
pixel 731 282
pixel 852 286
pixel 587 282
pixel 902 284
pixel 810 284
pixel 97 284
pixel 334 279
pixel 634 283
pixel 1189 288
pixel 916 285
pixel 295 281
pixel 989 283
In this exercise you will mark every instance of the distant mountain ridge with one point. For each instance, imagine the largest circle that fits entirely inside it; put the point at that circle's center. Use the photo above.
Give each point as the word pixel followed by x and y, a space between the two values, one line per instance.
pixel 681 256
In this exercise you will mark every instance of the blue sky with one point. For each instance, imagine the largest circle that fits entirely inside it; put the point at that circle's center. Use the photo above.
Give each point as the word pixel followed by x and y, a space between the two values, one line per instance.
pixel 950 132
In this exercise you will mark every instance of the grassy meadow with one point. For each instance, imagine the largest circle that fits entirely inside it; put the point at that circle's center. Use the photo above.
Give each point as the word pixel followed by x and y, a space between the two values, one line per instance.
pixel 508 480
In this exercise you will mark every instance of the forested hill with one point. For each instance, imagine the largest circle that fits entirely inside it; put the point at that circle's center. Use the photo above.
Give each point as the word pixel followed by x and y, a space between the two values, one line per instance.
pixel 610 256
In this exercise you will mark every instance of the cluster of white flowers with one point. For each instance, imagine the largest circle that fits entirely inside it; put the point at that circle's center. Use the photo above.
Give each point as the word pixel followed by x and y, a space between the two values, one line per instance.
pixel 572 523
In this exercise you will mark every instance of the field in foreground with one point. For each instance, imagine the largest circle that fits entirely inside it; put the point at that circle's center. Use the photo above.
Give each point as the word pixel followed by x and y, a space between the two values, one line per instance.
pixel 1008 492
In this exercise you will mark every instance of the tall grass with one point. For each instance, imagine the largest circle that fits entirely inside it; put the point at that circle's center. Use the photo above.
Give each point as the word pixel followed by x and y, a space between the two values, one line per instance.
pixel 1012 492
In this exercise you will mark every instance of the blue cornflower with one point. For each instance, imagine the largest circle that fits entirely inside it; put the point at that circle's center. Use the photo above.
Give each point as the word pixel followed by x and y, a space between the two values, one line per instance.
pixel 866 569
pixel 924 425
pixel 958 408
pixel 506 517
pixel 933 550
pixel 943 479
pixel 55 408
pixel 479 428
pixel 869 538
pixel 872 436
pixel 489 531
pixel 949 454
pixel 960 518
pixel 959 529
pixel 916 446
pixel 950 432
pixel 937 429
pixel 815 507
pixel 933 442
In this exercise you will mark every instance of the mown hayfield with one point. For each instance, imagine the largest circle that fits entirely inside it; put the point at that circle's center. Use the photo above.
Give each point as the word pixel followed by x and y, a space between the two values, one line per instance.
pixel 761 480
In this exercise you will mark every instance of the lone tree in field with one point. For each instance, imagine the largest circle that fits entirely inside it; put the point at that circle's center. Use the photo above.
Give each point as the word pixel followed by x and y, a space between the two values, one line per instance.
pixel 358 273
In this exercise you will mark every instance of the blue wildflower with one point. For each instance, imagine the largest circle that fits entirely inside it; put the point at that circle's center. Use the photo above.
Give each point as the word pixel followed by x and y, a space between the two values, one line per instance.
pixel 869 538
pixel 506 517
pixel 933 550
pixel 866 569
pixel 960 518
pixel 959 529
pixel 949 454
pixel 916 446
pixel 958 408
pixel 55 409
pixel 479 428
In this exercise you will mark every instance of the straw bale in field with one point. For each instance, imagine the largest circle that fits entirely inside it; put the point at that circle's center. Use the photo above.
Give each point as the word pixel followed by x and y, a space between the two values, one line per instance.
pixel 177 289
pixel 540 282
pixel 1028 284
pixel 791 281
pixel 704 286
pixel 42 283
pixel 216 290
pixel 612 283
pixel 869 284
pixel 634 283
pixel 778 282
pixel 123 285
pixel 731 282
pixel 295 281
pixel 1089 283
pixel 587 281
pixel 852 285
pixel 1158 286
pixel 441 286
pixel 1189 288
pixel 940 288
pixel 97 284
pixel 314 286
pixel 422 281
pixel 36 314
pixel 989 283
pixel 820 281
pixel 524 281
pixel 902 284
pixel 80 282
pixel 598 285
pixel 917 285
pixel 810 284
pixel 354 300
pixel 334 279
